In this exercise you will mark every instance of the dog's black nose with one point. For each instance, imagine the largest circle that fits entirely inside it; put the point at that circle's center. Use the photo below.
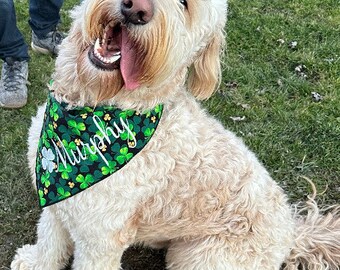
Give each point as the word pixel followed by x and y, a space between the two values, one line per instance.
pixel 137 11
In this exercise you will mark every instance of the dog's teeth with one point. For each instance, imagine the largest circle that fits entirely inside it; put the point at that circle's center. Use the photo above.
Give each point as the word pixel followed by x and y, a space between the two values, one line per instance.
pixel 97 54
pixel 107 60
pixel 96 45
pixel 114 58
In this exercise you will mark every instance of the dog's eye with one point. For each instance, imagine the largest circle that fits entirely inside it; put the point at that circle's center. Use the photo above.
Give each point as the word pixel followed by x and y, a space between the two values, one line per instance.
pixel 184 3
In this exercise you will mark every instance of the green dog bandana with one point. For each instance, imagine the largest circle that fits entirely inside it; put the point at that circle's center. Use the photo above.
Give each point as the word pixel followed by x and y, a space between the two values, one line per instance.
pixel 80 147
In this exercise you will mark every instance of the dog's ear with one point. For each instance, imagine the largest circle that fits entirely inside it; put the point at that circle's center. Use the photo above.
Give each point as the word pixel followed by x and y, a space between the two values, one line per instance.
pixel 205 73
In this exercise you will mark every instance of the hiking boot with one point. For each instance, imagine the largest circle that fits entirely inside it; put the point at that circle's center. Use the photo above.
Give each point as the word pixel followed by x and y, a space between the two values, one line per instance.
pixel 13 89
pixel 49 44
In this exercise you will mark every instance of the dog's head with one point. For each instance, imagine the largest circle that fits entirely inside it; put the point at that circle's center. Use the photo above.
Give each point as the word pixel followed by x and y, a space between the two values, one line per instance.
pixel 142 46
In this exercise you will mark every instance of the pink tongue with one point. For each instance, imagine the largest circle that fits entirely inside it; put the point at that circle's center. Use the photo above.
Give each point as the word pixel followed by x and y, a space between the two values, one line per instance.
pixel 128 66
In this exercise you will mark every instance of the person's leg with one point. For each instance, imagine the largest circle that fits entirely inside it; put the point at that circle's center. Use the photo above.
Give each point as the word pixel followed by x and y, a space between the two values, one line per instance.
pixel 12 43
pixel 44 16
pixel 14 52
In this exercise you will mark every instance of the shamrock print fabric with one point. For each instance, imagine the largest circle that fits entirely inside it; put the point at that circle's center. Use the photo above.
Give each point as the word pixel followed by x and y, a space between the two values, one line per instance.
pixel 82 146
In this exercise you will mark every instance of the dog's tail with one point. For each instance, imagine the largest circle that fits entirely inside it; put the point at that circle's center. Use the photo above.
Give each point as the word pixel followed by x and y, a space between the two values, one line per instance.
pixel 317 242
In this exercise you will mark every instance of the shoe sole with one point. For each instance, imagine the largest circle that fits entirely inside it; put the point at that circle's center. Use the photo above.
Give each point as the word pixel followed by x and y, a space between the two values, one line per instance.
pixel 38 49
pixel 13 106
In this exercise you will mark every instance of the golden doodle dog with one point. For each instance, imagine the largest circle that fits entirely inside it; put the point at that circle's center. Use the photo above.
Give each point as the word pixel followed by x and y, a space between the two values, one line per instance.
pixel 127 155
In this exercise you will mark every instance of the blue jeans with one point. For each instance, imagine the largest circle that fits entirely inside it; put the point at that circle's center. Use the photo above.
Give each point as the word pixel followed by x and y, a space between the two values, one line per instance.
pixel 44 17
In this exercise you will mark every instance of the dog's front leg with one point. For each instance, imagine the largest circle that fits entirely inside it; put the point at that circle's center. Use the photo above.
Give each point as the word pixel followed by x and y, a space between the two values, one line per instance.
pixel 97 258
pixel 101 248
pixel 101 239
pixel 52 250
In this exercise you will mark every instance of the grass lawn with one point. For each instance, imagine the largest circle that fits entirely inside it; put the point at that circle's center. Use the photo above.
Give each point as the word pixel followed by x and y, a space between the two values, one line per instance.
pixel 279 52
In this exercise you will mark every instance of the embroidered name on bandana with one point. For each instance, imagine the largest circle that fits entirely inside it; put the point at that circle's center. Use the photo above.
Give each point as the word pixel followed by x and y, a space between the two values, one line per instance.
pixel 80 147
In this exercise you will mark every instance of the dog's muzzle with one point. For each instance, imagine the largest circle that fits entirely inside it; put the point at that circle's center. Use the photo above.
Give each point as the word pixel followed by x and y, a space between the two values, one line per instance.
pixel 115 49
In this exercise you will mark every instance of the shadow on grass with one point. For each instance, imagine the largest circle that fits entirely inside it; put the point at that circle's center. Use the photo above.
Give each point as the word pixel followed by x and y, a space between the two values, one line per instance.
pixel 140 258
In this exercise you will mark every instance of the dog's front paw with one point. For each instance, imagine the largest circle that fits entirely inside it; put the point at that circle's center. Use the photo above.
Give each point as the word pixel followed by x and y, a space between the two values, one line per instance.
pixel 26 258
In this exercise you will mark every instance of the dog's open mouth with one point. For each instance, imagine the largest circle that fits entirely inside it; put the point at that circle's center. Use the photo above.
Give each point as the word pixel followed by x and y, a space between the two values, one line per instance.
pixel 115 50
pixel 106 52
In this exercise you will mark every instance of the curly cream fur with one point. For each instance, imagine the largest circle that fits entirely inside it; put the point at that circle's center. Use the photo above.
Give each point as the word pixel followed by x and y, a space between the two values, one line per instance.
pixel 195 188
pixel 317 239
